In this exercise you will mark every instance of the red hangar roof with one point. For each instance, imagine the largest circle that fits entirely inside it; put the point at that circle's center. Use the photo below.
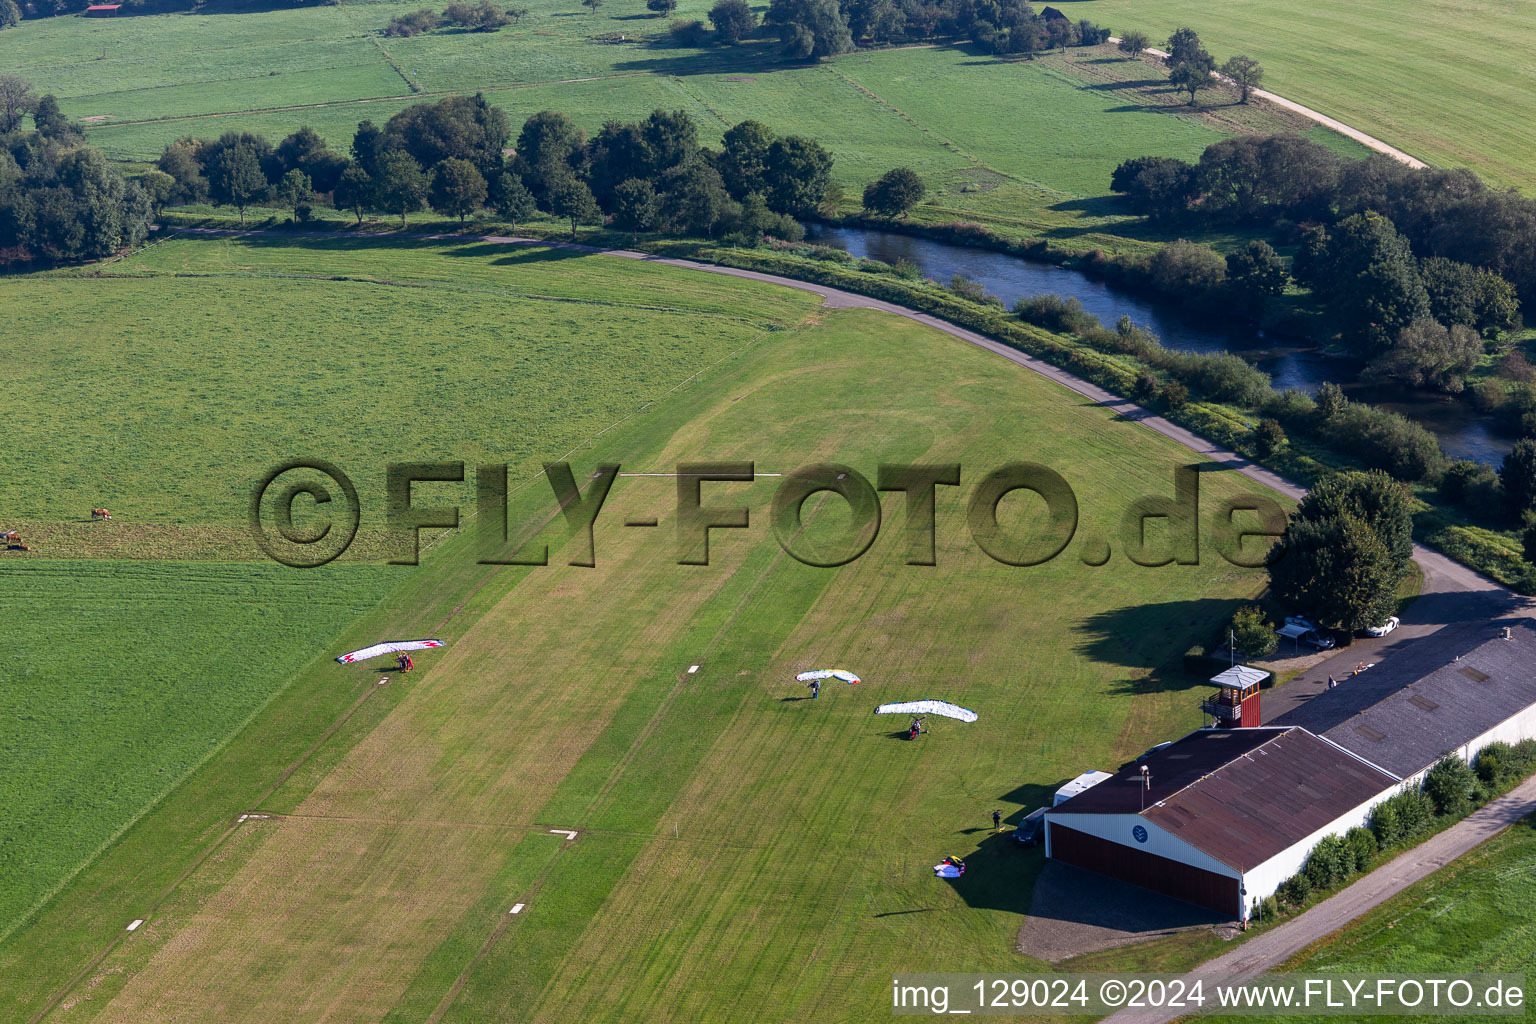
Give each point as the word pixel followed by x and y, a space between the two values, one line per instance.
pixel 1240 795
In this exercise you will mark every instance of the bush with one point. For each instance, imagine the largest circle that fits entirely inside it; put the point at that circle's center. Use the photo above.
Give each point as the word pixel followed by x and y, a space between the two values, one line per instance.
pixel 1175 395
pixel 1327 864
pixel 412 24
pixel 688 32
pixel 1268 437
pixel 1054 313
pixel 1186 270
pixel 1295 890
pixel 1450 785
pixel 1401 818
pixel 968 287
pixel 1473 485
pixel 1360 847
pixel 1269 908
pixel 1222 376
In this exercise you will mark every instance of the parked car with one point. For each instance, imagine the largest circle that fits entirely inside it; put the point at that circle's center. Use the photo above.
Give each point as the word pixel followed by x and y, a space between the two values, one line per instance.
pixel 1303 622
pixel 1317 641
pixel 1031 828
pixel 1384 628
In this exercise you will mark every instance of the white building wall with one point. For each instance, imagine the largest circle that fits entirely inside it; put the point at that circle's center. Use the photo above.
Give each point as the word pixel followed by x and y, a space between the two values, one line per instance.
pixel 1518 727
pixel 1117 829
pixel 1265 878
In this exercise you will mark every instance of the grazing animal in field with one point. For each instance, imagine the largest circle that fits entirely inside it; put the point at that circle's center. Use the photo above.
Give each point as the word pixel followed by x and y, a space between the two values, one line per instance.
pixel 100 513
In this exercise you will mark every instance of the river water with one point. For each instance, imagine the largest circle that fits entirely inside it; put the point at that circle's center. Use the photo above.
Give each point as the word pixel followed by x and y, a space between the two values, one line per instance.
pixel 1290 363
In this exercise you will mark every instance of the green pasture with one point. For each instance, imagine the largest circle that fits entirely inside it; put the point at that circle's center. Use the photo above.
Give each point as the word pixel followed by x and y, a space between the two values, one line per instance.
pixel 1472 916
pixel 165 391
pixel 121 677
pixel 1025 146
pixel 740 847
pixel 1445 80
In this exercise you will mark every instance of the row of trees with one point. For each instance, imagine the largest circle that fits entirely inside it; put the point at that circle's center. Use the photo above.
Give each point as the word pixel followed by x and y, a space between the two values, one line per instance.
pixel 1190 65
pixel 824 28
pixel 59 198
pixel 449 156
pixel 1281 181
pixel 482 17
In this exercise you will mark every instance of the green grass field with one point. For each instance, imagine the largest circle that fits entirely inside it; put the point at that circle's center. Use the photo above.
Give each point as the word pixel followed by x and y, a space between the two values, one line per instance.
pixel 1448 81
pixel 1470 917
pixel 740 848
pixel 1029 151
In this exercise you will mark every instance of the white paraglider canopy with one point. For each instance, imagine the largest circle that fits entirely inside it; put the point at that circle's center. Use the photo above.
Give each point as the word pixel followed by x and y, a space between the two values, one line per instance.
pixel 828 673
pixel 388 648
pixel 927 707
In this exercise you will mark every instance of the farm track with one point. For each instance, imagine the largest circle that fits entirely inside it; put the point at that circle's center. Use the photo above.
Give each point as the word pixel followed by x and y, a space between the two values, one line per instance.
pixel 1369 141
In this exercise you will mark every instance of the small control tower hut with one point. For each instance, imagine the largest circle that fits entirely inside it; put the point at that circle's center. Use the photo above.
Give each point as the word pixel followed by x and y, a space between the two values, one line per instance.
pixel 1235 703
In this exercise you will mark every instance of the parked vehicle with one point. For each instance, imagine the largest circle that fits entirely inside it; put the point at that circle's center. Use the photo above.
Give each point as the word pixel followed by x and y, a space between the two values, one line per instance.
pixel 1031 828
pixel 1317 641
pixel 1384 628
pixel 1303 622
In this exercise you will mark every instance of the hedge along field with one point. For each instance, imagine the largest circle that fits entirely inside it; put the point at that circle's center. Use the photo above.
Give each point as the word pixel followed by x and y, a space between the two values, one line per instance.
pixel 740 847
pixel 166 391
pixel 1447 81
pixel 121 677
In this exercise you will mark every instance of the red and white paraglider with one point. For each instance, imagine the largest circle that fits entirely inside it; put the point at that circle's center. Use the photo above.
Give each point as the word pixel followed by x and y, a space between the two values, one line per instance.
pixel 388 648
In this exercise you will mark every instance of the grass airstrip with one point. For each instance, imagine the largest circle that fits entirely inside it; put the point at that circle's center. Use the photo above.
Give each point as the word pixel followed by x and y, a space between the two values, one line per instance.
pixel 739 847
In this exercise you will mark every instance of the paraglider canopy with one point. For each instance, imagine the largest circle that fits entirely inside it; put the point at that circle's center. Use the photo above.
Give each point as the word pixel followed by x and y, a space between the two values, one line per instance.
pixel 828 673
pixel 928 707
pixel 388 648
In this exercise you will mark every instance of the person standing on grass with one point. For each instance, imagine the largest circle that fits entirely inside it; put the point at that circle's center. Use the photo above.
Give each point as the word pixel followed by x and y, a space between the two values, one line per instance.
pixel 997 820
pixel 815 685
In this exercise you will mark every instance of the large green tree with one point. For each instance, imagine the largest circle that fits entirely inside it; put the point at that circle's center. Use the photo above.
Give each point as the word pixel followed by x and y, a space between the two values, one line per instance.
pixel 458 189
pixel 354 191
pixel 894 192
pixel 401 186
pixel 1336 569
pixel 235 177
pixel 1518 475
pixel 798 174
pixel 572 199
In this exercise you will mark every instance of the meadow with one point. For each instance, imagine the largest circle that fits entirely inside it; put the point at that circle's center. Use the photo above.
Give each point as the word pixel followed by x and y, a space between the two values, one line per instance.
pixel 1472 916
pixel 1029 150
pixel 740 846
pixel 1445 80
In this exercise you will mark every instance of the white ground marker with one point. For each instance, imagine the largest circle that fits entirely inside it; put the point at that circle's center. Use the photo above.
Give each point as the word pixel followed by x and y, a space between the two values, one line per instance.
pixel 569 833
pixel 692 669
pixel 384 680
pixel 517 908
pixel 135 923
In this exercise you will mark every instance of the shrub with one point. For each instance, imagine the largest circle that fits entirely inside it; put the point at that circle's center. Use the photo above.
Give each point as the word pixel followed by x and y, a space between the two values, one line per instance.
pixel 1054 313
pixel 1514 366
pixel 1474 485
pixel 1403 817
pixel 412 24
pixel 1360 847
pixel 1269 908
pixel 1268 437
pixel 1186 270
pixel 1450 784
pixel 1222 376
pixel 1175 395
pixel 968 287
pixel 688 32
pixel 906 269
pixel 1327 864
pixel 1295 890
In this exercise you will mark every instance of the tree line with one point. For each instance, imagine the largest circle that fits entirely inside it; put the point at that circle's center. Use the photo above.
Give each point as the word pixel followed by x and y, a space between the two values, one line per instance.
pixel 452 156
pixel 809 29
pixel 59 198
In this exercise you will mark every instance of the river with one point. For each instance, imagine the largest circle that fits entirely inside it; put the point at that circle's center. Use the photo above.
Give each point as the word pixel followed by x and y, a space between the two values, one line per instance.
pixel 1290 363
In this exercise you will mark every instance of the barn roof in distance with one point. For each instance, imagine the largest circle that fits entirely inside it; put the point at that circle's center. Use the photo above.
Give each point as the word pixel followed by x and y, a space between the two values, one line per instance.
pixel 1239 795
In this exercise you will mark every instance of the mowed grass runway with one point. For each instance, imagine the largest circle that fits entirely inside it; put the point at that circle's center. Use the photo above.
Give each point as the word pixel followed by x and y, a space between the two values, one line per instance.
pixel 743 852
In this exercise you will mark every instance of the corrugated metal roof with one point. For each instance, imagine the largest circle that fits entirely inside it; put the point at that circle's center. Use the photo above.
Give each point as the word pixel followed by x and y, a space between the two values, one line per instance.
pixel 1412 715
pixel 1240 795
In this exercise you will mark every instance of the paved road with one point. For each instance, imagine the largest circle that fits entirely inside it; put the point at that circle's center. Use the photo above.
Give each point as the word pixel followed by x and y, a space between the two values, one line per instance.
pixel 1369 141
pixel 1279 944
